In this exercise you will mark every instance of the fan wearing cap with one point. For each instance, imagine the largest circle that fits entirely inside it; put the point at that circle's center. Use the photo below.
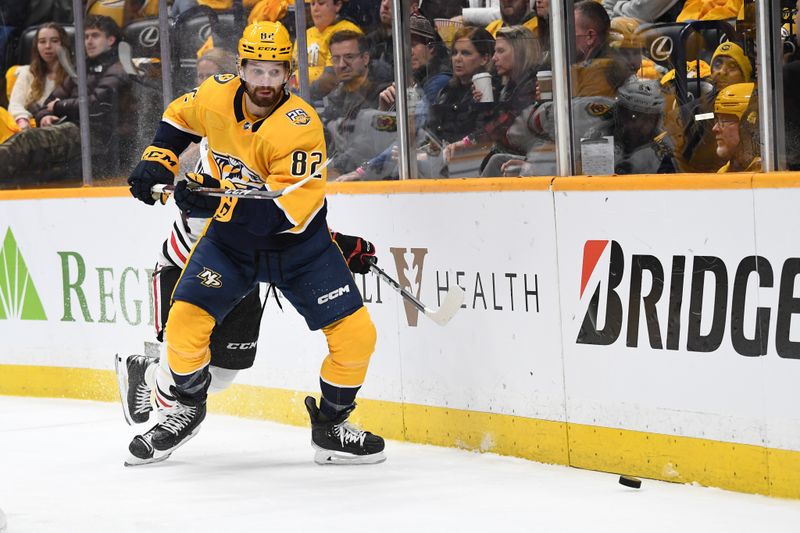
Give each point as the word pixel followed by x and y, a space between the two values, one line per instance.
pixel 428 63
pixel 639 145
pixel 431 73
pixel 729 65
pixel 736 128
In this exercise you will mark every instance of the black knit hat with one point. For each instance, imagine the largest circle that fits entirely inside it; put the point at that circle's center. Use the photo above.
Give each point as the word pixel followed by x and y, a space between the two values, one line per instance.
pixel 422 27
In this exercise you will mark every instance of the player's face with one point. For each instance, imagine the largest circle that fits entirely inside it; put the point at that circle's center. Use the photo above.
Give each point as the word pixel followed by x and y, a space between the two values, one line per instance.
pixel 264 81
pixel 726 134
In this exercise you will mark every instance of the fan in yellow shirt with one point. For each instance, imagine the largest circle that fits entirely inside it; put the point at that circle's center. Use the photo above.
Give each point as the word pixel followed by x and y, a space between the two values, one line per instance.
pixel 514 13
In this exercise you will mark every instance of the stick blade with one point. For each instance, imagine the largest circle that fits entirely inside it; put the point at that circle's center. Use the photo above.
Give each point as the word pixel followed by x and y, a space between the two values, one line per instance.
pixel 450 306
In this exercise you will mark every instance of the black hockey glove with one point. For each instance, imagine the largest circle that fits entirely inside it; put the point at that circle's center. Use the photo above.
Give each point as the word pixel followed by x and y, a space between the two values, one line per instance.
pixel 158 166
pixel 358 252
pixel 193 204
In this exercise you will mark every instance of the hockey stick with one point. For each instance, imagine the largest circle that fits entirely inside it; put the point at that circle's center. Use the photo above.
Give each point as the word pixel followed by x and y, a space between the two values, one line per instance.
pixel 452 300
pixel 255 194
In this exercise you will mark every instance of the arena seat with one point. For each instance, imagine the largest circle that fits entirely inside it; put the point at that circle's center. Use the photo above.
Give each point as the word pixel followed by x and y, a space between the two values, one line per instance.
pixel 25 44
pixel 191 30
pixel 143 36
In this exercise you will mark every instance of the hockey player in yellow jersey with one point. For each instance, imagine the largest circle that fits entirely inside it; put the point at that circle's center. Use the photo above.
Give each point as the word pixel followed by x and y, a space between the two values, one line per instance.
pixel 259 136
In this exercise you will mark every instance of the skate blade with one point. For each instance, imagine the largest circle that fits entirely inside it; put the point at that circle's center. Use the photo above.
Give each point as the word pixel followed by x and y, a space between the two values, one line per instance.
pixel 121 370
pixel 328 457
pixel 132 460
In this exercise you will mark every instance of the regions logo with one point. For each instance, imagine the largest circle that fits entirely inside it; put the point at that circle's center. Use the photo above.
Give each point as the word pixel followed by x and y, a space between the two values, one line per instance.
pixel 18 296
pixel 299 117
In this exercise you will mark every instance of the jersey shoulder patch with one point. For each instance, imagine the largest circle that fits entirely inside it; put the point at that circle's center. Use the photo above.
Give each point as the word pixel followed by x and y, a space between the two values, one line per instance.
pixel 299 117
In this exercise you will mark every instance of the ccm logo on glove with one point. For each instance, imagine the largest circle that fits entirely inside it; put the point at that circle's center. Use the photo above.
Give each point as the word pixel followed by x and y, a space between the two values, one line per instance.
pixel 333 294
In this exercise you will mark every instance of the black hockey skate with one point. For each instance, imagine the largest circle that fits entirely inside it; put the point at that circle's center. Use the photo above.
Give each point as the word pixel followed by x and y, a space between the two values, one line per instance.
pixel 339 442
pixel 142 451
pixel 178 425
pixel 133 391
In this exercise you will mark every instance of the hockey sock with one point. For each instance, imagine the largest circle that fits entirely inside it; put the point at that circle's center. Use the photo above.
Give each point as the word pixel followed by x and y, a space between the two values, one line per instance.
pixel 335 398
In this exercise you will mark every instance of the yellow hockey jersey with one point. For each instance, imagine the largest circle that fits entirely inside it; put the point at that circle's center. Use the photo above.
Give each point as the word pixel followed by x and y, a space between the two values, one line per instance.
pixel 319 54
pixel 532 24
pixel 273 152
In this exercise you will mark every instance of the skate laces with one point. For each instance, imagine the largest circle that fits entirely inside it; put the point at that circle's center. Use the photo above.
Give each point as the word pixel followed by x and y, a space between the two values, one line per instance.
pixel 349 434
pixel 142 401
pixel 176 421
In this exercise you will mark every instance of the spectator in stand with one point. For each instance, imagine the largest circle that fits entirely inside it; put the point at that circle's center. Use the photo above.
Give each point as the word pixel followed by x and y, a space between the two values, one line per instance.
pixel 213 62
pixel 325 16
pixel 644 10
pixel 53 149
pixel 640 145
pixel 431 73
pixel 624 37
pixel 736 128
pixel 455 112
pixel 380 39
pixel 543 29
pixel 36 81
pixel 360 85
pixel 514 13
pixel 729 65
pixel 711 10
pixel 517 56
pixel 599 69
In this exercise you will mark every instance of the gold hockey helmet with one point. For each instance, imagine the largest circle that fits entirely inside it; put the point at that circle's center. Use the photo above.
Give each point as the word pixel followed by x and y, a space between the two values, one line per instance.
pixel 736 100
pixel 265 41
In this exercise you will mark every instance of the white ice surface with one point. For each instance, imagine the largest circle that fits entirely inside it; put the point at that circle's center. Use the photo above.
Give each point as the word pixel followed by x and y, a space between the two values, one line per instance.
pixel 61 471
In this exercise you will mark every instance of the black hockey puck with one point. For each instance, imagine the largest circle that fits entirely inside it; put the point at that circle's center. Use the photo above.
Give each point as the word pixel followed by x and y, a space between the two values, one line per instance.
pixel 630 481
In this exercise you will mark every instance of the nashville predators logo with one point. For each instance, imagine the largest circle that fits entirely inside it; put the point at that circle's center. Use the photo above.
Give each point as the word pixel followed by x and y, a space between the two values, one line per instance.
pixel 210 279
pixel 298 117
pixel 597 109
pixel 384 123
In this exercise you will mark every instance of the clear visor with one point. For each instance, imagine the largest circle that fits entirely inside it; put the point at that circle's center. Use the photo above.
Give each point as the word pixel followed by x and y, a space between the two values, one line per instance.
pixel 264 73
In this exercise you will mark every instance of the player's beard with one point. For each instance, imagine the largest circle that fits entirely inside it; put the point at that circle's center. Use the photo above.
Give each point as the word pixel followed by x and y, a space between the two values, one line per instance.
pixel 264 96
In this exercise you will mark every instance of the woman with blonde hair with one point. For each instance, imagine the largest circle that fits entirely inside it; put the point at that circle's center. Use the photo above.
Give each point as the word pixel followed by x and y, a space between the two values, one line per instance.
pixel 36 81
pixel 516 59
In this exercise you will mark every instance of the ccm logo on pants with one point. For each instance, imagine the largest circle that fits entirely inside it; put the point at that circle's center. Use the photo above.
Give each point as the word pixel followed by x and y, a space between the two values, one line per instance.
pixel 333 294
